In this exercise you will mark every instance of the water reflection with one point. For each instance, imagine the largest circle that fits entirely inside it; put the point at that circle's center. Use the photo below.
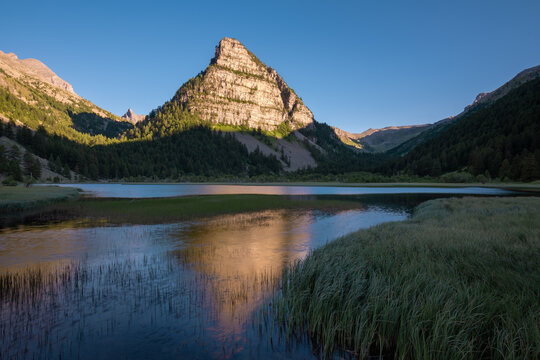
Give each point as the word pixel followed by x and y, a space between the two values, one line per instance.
pixel 169 190
pixel 92 290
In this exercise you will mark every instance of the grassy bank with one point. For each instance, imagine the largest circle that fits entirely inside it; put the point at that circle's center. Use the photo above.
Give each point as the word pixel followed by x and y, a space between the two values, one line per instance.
pixel 459 280
pixel 159 210
pixel 18 198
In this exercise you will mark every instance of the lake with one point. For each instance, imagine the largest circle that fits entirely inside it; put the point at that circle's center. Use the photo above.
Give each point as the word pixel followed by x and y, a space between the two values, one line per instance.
pixel 169 190
pixel 86 288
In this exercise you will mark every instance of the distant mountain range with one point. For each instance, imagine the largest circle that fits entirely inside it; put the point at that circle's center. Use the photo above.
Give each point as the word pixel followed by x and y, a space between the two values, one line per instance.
pixel 380 140
pixel 236 117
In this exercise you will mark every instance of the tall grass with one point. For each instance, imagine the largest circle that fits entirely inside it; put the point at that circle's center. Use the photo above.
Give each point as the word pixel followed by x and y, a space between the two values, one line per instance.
pixel 459 280
pixel 50 310
pixel 16 199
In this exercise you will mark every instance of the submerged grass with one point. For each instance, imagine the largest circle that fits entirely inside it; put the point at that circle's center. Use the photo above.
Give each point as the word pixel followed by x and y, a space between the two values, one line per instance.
pixel 18 198
pixel 459 280
pixel 159 210
pixel 50 310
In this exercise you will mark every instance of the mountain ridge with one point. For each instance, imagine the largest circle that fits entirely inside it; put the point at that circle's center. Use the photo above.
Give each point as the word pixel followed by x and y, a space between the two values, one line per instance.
pixel 238 116
pixel 482 100
pixel 498 140
pixel 33 95
pixel 20 67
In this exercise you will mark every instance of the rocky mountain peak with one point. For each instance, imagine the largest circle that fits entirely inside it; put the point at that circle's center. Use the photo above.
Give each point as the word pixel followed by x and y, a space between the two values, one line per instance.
pixel 228 50
pixel 239 89
pixel 132 117
pixel 233 55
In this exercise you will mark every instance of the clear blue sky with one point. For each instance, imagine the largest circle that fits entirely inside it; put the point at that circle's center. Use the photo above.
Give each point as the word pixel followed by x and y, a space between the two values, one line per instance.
pixel 356 64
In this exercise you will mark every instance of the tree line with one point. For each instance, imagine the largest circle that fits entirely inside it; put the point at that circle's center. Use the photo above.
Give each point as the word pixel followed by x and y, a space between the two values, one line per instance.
pixel 195 151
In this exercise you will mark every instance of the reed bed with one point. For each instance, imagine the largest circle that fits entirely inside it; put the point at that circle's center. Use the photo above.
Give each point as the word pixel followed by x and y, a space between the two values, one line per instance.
pixel 47 310
pixel 17 199
pixel 459 280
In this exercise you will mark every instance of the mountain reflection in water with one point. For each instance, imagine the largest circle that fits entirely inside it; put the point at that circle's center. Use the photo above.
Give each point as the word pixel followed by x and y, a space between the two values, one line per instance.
pixel 189 289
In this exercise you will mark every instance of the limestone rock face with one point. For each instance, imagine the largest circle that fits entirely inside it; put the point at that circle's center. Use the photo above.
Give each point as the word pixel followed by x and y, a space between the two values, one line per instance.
pixel 238 89
pixel 19 68
pixel 132 117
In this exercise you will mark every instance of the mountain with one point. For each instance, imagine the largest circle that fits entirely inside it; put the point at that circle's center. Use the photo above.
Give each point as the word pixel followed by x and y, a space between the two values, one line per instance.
pixel 43 114
pixel 132 117
pixel 240 95
pixel 20 69
pixel 481 101
pixel 498 137
pixel 239 118
pixel 238 89
pixel 32 95
pixel 490 97
pixel 380 140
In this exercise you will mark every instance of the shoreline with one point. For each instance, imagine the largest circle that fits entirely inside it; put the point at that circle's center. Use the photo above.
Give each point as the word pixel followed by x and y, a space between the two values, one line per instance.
pixel 444 281
pixel 522 186
pixel 18 199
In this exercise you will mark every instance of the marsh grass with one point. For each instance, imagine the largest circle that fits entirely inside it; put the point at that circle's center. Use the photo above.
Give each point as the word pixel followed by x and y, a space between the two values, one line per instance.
pixel 17 199
pixel 48 310
pixel 459 280
pixel 45 312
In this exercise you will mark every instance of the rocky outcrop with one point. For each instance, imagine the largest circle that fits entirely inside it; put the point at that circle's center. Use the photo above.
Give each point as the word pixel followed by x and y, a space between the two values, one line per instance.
pixel 18 68
pixel 132 117
pixel 238 89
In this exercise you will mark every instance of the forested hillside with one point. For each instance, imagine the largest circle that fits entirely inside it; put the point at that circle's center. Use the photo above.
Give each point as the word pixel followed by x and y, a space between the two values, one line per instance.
pixel 501 140
pixel 193 134
pixel 49 119
pixel 195 151
pixel 335 157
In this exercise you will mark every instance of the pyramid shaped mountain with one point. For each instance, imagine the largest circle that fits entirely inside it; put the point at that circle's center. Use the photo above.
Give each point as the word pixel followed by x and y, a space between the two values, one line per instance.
pixel 238 89
pixel 132 117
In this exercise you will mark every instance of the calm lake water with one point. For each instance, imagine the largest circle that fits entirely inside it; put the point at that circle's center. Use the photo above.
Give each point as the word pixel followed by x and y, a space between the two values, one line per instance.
pixel 193 289
pixel 169 190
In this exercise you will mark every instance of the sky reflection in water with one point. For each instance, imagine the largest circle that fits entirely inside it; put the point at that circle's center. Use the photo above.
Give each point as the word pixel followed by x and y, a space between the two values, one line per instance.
pixel 171 290
pixel 170 190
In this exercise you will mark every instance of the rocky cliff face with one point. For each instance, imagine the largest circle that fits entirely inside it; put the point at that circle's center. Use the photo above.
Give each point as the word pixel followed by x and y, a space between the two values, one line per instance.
pixel 132 117
pixel 238 89
pixel 18 68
